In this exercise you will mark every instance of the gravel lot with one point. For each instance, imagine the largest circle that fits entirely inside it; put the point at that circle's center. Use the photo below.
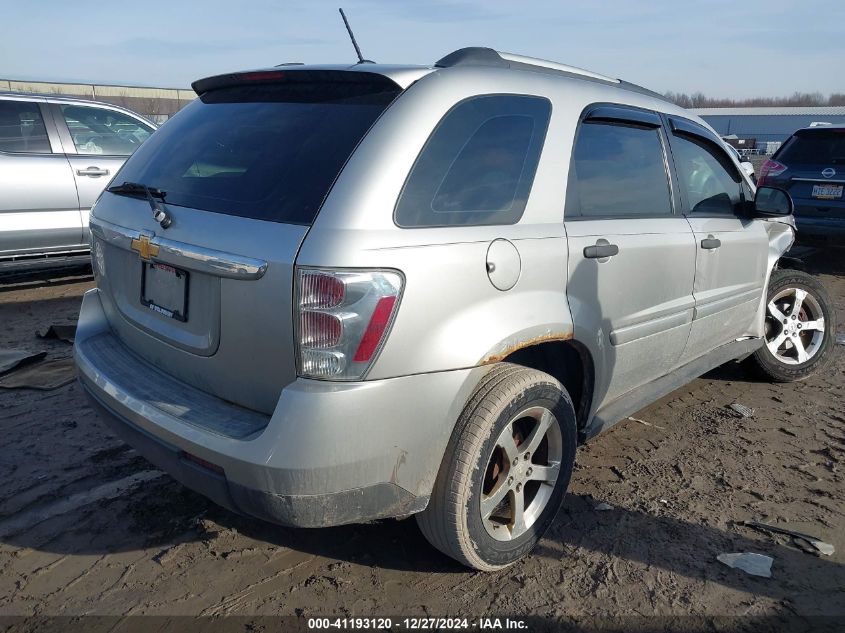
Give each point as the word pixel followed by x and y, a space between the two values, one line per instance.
pixel 88 526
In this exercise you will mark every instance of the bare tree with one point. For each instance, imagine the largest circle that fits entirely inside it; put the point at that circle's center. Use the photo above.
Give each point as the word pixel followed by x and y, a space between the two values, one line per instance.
pixel 797 99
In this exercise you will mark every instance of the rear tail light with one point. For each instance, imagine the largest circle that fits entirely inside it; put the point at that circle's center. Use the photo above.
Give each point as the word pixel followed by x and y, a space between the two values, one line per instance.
pixel 770 169
pixel 343 319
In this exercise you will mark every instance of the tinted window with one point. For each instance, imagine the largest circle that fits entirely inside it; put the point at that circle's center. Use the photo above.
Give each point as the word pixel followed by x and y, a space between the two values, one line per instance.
pixel 619 171
pixel 815 147
pixel 478 165
pixel 705 177
pixel 101 131
pixel 22 128
pixel 262 152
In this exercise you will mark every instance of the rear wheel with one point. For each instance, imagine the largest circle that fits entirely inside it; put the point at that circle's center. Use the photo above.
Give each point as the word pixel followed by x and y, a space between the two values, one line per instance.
pixel 799 329
pixel 506 469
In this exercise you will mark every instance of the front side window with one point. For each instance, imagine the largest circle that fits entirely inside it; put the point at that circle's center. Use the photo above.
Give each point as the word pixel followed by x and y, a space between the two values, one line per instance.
pixel 478 166
pixel 22 128
pixel 619 171
pixel 709 187
pixel 101 131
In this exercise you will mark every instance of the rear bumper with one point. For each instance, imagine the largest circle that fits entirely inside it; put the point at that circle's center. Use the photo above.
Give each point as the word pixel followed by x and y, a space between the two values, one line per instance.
pixel 331 453
pixel 348 506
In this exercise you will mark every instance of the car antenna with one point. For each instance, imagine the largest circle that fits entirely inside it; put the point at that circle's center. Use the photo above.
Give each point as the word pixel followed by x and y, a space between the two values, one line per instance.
pixel 361 59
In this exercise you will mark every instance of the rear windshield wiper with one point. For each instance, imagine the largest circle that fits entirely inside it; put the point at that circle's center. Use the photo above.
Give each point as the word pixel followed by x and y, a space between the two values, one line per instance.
pixel 137 189
pixel 151 194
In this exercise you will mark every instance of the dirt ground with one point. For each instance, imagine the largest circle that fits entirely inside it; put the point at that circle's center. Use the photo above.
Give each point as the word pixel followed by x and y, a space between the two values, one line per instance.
pixel 87 526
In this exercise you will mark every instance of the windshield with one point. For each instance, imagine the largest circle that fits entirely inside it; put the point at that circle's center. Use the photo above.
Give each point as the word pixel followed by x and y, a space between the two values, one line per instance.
pixel 815 147
pixel 264 152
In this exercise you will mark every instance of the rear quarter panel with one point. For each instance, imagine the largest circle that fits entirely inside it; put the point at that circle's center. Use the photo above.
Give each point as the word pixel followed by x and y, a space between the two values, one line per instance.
pixel 450 316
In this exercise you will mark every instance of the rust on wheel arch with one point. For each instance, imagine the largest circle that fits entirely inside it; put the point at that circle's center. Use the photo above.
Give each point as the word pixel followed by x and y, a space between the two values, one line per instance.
pixel 509 348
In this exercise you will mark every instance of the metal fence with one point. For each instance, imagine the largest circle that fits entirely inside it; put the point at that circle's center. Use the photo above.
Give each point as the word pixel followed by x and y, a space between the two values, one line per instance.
pixel 157 104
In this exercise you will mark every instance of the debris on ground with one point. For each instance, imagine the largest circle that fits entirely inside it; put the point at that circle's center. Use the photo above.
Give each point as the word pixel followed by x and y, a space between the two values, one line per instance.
pixel 741 410
pixel 817 545
pixel 602 507
pixel 749 562
pixel 12 358
pixel 44 376
pixel 840 339
pixel 61 332
pixel 646 423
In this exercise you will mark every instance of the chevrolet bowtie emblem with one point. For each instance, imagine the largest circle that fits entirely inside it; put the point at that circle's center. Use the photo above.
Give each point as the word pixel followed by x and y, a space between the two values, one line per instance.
pixel 145 248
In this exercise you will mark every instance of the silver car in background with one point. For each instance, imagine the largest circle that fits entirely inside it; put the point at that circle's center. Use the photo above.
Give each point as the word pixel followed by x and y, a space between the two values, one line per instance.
pixel 56 155
pixel 333 294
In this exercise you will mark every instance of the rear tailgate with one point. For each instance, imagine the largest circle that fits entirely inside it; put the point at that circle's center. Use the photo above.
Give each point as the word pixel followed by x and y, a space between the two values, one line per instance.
pixel 244 170
pixel 816 161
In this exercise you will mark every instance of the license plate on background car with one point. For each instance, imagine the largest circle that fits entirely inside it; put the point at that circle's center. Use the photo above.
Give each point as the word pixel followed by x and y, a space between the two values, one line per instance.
pixel 827 192
pixel 164 289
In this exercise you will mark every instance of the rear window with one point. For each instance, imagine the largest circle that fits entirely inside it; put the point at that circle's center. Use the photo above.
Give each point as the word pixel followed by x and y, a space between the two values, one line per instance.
pixel 815 147
pixel 268 152
pixel 478 166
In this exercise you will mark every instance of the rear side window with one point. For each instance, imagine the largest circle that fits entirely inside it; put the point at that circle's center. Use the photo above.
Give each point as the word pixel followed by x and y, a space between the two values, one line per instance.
pixel 478 166
pixel 815 147
pixel 619 170
pixel 22 128
pixel 266 152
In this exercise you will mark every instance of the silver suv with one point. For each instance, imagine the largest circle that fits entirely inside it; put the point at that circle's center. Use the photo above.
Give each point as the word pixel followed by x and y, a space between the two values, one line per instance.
pixel 333 294
pixel 56 155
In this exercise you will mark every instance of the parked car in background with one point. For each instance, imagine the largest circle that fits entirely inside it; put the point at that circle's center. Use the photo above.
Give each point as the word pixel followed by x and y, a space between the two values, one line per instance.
pixel 334 294
pixel 747 165
pixel 56 155
pixel 810 165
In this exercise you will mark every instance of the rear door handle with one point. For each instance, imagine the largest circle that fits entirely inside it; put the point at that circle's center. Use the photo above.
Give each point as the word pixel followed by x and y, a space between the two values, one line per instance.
pixel 601 250
pixel 710 242
pixel 93 172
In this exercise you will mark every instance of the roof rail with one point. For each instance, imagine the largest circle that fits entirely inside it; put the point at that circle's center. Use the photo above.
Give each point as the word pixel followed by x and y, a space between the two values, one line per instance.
pixel 543 63
pixel 483 56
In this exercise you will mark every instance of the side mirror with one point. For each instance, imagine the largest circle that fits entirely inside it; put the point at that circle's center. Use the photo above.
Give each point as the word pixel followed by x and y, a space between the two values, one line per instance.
pixel 770 202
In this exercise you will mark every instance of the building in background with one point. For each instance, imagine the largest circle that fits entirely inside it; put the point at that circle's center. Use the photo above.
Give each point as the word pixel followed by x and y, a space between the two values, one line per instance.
pixel 157 104
pixel 762 130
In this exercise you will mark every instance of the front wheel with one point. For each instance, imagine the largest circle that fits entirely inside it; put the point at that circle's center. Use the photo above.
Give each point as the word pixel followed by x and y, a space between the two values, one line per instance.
pixel 506 469
pixel 799 329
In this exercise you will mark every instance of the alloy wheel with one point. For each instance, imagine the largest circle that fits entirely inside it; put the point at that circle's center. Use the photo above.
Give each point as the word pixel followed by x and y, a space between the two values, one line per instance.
pixel 521 473
pixel 794 326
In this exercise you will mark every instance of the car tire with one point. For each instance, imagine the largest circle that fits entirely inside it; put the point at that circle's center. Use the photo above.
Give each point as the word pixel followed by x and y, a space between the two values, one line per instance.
pixel 792 350
pixel 536 412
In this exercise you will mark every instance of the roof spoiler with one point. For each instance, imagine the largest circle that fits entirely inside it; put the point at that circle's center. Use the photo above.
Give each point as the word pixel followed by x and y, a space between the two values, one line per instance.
pixel 288 75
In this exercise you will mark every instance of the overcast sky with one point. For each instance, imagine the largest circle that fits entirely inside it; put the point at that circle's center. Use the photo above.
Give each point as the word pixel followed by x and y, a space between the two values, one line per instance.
pixel 724 48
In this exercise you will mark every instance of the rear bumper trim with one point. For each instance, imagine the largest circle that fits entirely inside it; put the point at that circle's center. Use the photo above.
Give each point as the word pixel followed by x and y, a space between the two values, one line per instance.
pixel 142 387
